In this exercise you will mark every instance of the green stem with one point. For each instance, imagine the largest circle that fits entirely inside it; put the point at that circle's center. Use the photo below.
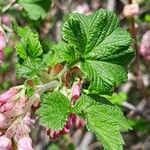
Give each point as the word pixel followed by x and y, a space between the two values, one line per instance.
pixel 36 97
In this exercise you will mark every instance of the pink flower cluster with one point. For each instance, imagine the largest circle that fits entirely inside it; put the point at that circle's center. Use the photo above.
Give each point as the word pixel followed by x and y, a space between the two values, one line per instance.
pixel 14 125
pixel 131 10
pixel 73 120
pixel 2 46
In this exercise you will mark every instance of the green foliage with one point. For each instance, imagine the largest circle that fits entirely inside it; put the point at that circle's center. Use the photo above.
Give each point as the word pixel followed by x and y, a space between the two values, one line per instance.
pixel 104 48
pixel 140 125
pixel 53 147
pixel 101 49
pixel 118 98
pixel 29 45
pixel 36 9
pixel 30 52
pixel 54 110
pixel 105 120
pixel 60 53
pixel 29 68
pixel 147 18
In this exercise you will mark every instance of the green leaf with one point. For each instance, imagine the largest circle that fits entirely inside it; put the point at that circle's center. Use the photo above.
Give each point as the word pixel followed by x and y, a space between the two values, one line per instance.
pixel 59 53
pixel 53 147
pixel 104 119
pixel 29 68
pixel 103 75
pixel 54 110
pixel 104 48
pixel 83 103
pixel 29 45
pixel 35 8
pixel 73 31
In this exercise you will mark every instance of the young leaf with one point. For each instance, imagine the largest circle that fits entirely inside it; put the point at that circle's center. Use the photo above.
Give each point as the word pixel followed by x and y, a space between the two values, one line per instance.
pixel 29 68
pixel 35 8
pixel 54 110
pixel 29 45
pixel 104 48
pixel 118 98
pixel 73 32
pixel 60 53
pixel 105 120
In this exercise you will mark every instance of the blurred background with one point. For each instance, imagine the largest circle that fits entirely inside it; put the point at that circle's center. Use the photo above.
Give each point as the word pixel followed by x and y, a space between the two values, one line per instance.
pixel 133 96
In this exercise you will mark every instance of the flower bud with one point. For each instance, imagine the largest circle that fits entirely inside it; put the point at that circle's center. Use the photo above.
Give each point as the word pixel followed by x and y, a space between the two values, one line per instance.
pixel 6 19
pixel 76 90
pixel 8 94
pixel 25 143
pixel 5 143
pixel 8 106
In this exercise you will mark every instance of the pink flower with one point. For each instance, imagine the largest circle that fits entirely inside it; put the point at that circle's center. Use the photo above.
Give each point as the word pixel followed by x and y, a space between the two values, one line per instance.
pixel 131 10
pixel 7 106
pixel 76 91
pixel 27 119
pixel 7 95
pixel 25 143
pixel 5 143
pixel 6 19
pixel 77 121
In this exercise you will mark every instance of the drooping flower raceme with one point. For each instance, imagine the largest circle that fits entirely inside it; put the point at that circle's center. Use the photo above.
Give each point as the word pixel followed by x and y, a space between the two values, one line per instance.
pixel 16 122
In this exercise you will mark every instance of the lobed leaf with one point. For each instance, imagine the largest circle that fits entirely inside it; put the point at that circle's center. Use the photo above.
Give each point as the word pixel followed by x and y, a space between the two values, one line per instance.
pixel 54 110
pixel 104 119
pixel 29 45
pixel 104 48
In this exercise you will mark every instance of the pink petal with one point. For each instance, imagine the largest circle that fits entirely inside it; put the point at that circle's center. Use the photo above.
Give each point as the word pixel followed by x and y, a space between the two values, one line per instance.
pixel 25 143
pixel 5 143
